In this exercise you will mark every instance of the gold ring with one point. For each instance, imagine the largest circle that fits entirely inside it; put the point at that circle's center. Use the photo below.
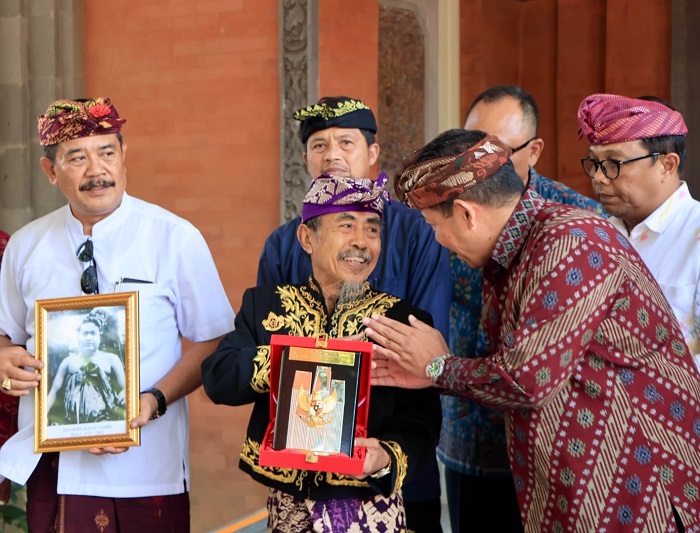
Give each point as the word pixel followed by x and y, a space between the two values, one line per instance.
pixel 7 385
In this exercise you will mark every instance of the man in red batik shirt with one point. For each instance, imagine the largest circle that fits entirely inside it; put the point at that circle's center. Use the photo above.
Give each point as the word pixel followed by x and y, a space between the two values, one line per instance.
pixel 585 356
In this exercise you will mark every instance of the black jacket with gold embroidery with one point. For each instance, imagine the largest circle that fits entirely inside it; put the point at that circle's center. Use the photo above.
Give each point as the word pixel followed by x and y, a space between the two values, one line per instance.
pixel 407 422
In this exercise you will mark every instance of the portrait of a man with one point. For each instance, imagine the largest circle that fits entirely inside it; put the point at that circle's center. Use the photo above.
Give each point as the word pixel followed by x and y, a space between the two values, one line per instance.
pixel 89 383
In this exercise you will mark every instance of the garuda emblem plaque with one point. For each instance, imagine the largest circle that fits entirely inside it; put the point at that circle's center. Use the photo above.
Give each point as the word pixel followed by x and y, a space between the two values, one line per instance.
pixel 317 400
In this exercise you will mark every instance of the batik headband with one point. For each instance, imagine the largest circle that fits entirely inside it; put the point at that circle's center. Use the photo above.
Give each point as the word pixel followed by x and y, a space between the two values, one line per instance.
pixel 332 194
pixel 435 181
pixel 71 119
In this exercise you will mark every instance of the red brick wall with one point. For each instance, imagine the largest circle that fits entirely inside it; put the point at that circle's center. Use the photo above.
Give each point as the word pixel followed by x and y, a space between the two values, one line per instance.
pixel 348 49
pixel 198 83
pixel 561 51
pixel 348 60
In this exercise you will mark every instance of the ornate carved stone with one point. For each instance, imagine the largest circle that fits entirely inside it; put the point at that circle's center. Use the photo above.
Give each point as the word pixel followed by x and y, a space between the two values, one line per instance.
pixel 401 85
pixel 297 23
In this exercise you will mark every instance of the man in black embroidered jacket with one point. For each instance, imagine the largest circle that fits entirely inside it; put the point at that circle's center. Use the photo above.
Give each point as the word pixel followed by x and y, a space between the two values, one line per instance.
pixel 341 233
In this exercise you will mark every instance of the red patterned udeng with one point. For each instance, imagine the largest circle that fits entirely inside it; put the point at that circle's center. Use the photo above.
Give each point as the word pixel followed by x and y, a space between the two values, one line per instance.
pixel 71 119
pixel 431 182
pixel 609 118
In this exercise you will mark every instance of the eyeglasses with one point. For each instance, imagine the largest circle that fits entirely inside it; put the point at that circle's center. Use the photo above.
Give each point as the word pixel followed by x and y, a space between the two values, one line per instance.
pixel 610 167
pixel 513 150
pixel 88 281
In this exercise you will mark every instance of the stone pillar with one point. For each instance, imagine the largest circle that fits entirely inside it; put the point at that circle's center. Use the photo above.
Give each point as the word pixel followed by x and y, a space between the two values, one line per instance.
pixel 41 53
pixel 298 87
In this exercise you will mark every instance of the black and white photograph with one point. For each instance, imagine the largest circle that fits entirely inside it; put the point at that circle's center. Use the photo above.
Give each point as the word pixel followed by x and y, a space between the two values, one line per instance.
pixel 90 348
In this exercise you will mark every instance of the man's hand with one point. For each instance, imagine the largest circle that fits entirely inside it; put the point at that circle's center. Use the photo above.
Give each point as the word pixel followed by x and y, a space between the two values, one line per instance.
pixel 13 359
pixel 388 373
pixel 376 458
pixel 148 405
pixel 411 347
pixel 108 450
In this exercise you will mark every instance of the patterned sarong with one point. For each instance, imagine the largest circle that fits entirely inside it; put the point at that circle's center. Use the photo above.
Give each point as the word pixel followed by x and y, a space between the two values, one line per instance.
pixel 356 515
pixel 48 512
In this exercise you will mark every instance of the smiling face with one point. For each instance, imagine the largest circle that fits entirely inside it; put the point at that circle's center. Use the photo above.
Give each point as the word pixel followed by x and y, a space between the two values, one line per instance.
pixel 340 152
pixel 641 185
pixel 345 248
pixel 91 174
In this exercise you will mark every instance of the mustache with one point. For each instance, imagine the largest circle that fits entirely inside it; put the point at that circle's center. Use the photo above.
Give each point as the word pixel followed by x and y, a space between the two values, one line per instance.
pixel 96 183
pixel 355 253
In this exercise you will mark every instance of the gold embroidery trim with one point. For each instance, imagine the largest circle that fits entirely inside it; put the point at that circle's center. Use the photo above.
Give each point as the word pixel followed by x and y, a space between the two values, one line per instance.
pixel 273 322
pixel 327 112
pixel 260 382
pixel 401 462
pixel 250 454
pixel 347 319
pixel 304 312
pixel 337 480
pixel 306 317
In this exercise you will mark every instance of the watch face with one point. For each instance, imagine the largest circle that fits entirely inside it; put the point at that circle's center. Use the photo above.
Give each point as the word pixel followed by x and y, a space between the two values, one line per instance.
pixel 434 368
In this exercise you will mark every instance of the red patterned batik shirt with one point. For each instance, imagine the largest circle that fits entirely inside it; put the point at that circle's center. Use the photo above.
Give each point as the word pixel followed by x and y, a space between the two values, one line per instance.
pixel 586 358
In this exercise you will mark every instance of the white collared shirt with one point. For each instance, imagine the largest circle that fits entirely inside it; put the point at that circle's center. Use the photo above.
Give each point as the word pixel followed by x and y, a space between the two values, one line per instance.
pixel 669 242
pixel 185 299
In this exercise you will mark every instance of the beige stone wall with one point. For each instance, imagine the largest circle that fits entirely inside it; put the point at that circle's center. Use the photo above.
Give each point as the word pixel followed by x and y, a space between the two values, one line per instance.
pixel 41 55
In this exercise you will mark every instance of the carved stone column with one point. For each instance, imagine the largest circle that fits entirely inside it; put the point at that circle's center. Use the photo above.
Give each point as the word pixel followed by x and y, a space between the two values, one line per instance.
pixel 299 87
pixel 41 53
pixel 402 86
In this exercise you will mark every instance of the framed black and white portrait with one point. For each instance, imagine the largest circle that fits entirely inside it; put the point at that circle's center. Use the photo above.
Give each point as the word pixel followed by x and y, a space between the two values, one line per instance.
pixel 89 389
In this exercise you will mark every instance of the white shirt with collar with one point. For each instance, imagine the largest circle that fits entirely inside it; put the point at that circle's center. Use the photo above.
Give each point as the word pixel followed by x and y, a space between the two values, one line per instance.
pixel 185 298
pixel 669 242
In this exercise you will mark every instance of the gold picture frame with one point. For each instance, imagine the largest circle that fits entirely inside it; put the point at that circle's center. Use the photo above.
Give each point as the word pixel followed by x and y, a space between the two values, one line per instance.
pixel 89 389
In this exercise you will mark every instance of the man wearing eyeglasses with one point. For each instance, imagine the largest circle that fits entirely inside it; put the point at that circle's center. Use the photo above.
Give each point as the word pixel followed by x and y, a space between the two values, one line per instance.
pixel 104 241
pixel 480 490
pixel 636 155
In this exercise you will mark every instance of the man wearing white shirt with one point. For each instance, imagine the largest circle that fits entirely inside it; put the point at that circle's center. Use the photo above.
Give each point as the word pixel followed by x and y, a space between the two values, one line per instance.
pixel 101 242
pixel 636 154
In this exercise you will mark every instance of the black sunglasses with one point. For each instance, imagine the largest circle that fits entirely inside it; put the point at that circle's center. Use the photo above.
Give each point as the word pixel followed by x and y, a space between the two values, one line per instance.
pixel 88 281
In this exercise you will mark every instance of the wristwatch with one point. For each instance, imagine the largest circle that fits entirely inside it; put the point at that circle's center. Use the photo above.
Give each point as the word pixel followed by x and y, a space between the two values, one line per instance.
pixel 381 473
pixel 434 369
pixel 162 405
